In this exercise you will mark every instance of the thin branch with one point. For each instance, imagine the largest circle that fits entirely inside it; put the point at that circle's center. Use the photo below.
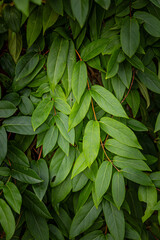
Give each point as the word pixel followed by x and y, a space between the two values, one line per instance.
pixel 40 153
pixel 133 76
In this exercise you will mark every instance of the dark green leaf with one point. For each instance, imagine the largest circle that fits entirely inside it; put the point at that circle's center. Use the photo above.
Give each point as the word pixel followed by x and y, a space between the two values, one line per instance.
pixel 80 10
pixel 12 18
pixel 157 125
pixel 104 3
pixel 49 17
pixel 118 189
pixel 26 106
pixel 3 143
pixel 50 140
pixel 7 109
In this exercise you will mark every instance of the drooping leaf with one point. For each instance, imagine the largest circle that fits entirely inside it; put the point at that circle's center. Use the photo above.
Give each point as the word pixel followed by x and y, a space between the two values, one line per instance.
pixel 80 10
pixel 3 143
pixel 131 233
pixel 49 17
pixel 23 6
pixel 118 189
pixel 55 232
pixel 12 17
pixel 50 140
pixel 63 144
pixel 80 165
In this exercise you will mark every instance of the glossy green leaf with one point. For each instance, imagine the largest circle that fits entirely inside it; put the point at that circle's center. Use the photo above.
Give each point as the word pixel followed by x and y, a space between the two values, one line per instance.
pixel 155 177
pixel 49 17
pixel 91 141
pixel 123 150
pixel 103 179
pixel 41 112
pixel 7 109
pixel 104 3
pixel 34 26
pixel 13 196
pixel 118 189
pixel 107 101
pixel 41 168
pixel 7 219
pixel 79 111
pixel 130 36
pixel 15 45
pixel 114 219
pixel 33 203
pixel 119 131
pixel 50 140
pixel 37 226
pixel 57 59
pixel 79 165
pixel 136 125
pixel 137 176
pixel 84 218
pixel 80 10
pixel 3 143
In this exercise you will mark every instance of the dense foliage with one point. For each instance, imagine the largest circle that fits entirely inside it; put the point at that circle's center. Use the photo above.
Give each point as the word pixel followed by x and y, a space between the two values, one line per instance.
pixel 79 119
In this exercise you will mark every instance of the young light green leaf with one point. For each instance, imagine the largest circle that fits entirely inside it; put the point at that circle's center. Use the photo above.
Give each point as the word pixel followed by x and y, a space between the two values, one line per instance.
pixel 49 17
pixel 79 111
pixel 79 80
pixel 7 219
pixel 57 59
pixel 50 140
pixel 91 141
pixel 107 101
pixel 130 36
pixel 118 87
pixel 103 179
pixel 80 10
pixel 41 112
pixel 80 165
pixel 118 189
pixel 3 144
pixel 120 132
pixel 7 109
pixel 13 196
pixel 157 125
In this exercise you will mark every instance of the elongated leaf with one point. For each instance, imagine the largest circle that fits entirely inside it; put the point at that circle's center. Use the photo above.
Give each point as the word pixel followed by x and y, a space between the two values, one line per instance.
pixel 136 125
pixel 137 176
pixel 22 125
pixel 57 6
pixel 107 101
pixel 49 17
pixel 118 189
pixel 104 3
pixel 41 113
pixel 7 109
pixel 136 62
pixel 120 149
pixel 15 45
pixel 151 23
pixel 23 6
pixel 80 10
pixel 80 165
pixel 131 233
pixel 79 80
pixel 41 168
pixel 13 196
pixel 103 179
pixel 112 65
pixel 118 87
pixel 125 73
pixel 34 25
pixel 55 232
pixel 32 203
pixel 26 106
pixel 50 140
pixel 157 125
pixel 79 111
pixel 130 36
pixel 63 144
pixel 91 141
pixel 24 174
pixel 119 131
pixel 61 105
pixel 3 143
pixel 114 219
pixel 95 235
pixel 7 219
pixel 133 99
pixel 84 195
pixel 57 59
pixel 12 17
pixel 62 124
pixel 84 218
pixel 37 226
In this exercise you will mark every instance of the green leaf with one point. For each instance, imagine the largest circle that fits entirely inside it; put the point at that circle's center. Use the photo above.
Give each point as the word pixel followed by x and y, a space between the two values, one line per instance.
pixel 63 144
pixel 79 80
pixel 50 140
pixel 137 176
pixel 151 23
pixel 156 2
pixel 79 111
pixel 95 235
pixel 155 177
pixel 61 105
pixel 13 196
pixel 157 125
pixel 118 189
pixel 123 150
pixel 157 206
pixel 125 73
pixel 80 10
pixel 133 100
pixel 57 6
pixel 120 132
pixel 79 182
pixel 79 165
pixel 107 101
pixel 12 17
pixel 3 144
pixel 149 196
pixel 114 220
pixel 130 36
pixel 112 65
pixel 118 87
pixel 84 195
pixel 34 25
pixel 103 179
pixel 4 171
pixel 41 168
pixel 104 3
pixel 136 125
pixel 15 45
pixel 22 125
pixel 91 141
pixel 123 162
pixel 23 6
pixel 7 109
pixel 57 59
pixel 150 80
pixel 49 17
pixel 33 203
pixel 84 218
pixel 55 233
pixel 25 174
pixel 136 62
pixel 41 112
pixel 26 106
pixel 62 124
pixel 131 233
pixel 7 219
pixel 37 226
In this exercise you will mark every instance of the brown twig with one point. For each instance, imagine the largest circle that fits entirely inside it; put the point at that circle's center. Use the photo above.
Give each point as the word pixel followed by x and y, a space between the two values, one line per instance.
pixel 40 152
pixel 133 76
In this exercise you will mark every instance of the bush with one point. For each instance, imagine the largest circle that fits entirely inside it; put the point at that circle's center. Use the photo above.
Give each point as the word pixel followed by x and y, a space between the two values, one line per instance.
pixel 79 119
